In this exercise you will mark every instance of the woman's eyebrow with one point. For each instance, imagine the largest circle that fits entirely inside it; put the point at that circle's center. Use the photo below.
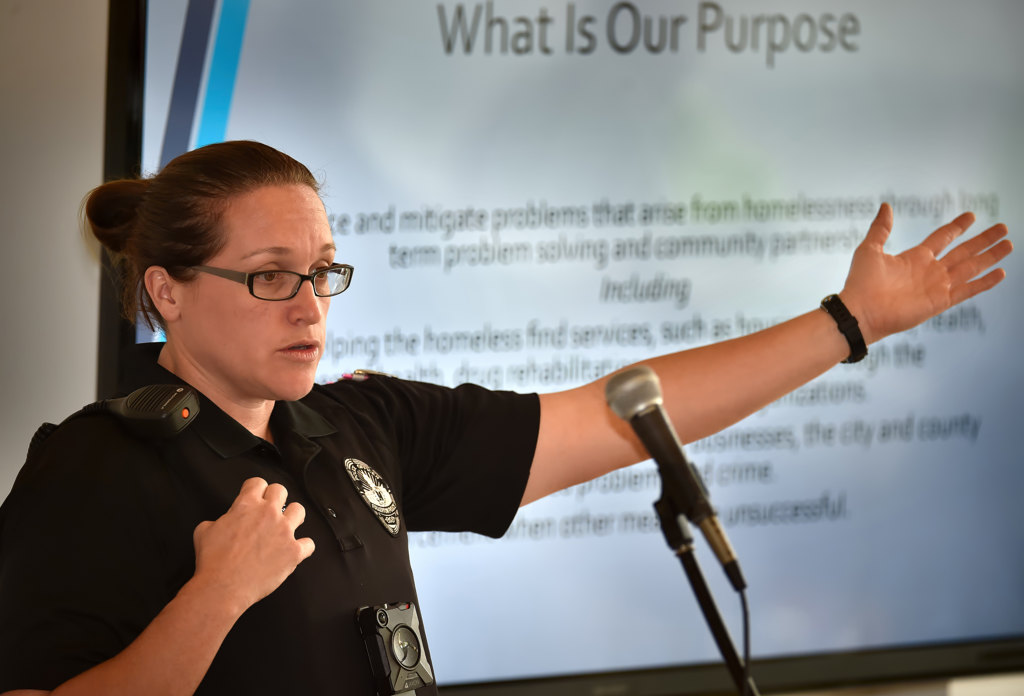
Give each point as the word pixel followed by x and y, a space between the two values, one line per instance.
pixel 276 251
pixel 283 251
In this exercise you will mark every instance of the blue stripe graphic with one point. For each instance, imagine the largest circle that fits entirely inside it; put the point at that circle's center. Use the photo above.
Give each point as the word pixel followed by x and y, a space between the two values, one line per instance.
pixel 220 83
pixel 188 77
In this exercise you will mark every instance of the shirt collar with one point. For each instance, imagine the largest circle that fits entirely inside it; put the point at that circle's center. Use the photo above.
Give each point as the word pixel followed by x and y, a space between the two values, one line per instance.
pixel 222 433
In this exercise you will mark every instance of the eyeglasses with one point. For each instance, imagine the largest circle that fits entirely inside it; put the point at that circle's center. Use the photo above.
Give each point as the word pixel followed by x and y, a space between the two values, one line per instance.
pixel 284 285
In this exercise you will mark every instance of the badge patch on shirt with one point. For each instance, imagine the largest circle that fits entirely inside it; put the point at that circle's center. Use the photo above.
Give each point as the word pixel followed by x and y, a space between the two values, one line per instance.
pixel 376 493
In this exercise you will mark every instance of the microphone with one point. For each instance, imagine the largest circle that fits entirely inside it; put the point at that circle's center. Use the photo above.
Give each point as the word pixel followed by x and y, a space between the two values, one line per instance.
pixel 635 396
pixel 157 410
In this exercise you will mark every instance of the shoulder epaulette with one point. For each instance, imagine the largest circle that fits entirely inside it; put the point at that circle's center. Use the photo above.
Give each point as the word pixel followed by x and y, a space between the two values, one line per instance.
pixel 363 375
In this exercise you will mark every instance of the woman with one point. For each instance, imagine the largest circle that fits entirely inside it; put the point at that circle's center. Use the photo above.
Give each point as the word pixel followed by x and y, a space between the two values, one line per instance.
pixel 113 579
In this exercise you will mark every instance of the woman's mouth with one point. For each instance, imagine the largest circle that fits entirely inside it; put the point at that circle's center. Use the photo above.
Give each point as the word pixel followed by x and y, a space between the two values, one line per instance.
pixel 303 352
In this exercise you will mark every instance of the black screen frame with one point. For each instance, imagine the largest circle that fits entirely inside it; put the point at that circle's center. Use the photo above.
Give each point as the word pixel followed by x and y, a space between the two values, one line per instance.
pixel 122 159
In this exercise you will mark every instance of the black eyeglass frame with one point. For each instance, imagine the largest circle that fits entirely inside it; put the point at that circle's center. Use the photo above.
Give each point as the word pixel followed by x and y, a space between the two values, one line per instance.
pixel 247 279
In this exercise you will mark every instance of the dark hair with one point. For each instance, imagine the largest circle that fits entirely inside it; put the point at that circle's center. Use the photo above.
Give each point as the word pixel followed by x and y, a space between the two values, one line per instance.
pixel 171 219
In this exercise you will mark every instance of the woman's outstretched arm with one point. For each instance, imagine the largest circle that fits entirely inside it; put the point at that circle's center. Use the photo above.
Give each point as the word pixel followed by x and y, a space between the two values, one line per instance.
pixel 710 388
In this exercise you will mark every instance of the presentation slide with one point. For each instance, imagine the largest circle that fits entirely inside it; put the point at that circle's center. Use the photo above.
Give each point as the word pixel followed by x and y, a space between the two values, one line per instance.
pixel 534 194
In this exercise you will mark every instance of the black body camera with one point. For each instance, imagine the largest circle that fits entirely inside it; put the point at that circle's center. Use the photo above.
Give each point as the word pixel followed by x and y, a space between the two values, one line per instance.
pixel 394 644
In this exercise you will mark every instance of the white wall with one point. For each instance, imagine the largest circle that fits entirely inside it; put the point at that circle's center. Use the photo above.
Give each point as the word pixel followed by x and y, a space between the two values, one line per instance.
pixel 52 76
pixel 52 73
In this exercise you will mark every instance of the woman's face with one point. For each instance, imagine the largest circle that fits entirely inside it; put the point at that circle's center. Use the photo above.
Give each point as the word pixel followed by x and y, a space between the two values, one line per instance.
pixel 245 348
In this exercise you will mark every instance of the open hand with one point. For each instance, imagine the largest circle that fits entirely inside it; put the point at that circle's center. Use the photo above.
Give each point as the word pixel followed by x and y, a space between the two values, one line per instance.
pixel 888 294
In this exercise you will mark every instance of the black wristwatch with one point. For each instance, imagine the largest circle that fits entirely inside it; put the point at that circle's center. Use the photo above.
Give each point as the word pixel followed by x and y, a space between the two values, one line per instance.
pixel 847 326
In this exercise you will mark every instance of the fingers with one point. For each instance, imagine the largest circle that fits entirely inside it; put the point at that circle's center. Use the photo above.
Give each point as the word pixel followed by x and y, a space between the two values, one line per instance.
pixel 306 547
pixel 257 491
pixel 974 256
pixel 880 228
pixel 295 513
pixel 944 236
pixel 963 271
pixel 200 530
pixel 252 488
pixel 251 549
pixel 257 488
pixel 975 244
pixel 986 282
pixel 275 494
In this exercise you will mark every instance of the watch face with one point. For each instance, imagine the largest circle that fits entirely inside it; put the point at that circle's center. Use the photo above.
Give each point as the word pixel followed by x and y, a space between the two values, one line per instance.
pixel 405 646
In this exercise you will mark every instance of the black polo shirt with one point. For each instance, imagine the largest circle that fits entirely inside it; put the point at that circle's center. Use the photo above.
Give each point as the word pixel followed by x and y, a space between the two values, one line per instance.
pixel 97 536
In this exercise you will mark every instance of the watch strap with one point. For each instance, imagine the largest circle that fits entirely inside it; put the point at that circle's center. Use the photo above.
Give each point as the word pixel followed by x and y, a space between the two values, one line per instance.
pixel 848 326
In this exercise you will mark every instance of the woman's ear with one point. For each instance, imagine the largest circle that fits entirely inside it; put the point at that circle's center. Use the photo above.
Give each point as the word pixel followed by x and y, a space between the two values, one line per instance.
pixel 164 291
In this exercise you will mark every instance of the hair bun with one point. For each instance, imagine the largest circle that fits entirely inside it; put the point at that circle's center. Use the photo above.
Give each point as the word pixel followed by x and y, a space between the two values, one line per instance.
pixel 111 211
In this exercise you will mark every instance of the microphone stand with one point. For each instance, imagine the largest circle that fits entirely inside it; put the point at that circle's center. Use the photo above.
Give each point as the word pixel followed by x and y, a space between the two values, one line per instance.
pixel 635 396
pixel 676 529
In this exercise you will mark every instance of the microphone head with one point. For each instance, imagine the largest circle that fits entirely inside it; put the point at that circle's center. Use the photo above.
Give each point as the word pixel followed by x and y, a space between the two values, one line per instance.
pixel 633 391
